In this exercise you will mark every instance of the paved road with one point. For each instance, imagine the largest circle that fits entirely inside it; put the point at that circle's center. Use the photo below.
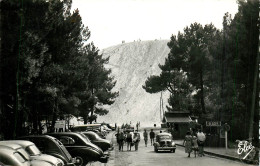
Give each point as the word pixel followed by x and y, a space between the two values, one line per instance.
pixel 145 156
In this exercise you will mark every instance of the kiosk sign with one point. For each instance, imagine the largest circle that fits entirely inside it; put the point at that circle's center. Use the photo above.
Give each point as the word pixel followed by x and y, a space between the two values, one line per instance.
pixel 213 123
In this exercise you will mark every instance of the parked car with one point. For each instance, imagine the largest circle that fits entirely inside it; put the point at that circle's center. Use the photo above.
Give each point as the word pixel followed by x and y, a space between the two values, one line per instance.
pixel 164 142
pixel 86 127
pixel 105 128
pixel 101 135
pixel 52 146
pixel 129 128
pixel 80 147
pixel 111 126
pixel 97 140
pixel 15 155
pixel 34 152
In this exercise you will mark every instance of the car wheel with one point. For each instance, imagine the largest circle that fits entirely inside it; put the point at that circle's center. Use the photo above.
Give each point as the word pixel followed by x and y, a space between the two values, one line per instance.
pixel 173 150
pixel 155 149
pixel 79 161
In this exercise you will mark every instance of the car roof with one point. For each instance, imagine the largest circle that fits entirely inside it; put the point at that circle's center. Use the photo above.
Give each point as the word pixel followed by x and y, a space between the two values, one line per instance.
pixel 62 133
pixel 22 143
pixel 92 132
pixel 38 136
pixel 5 150
pixel 10 145
pixel 164 134
pixel 87 125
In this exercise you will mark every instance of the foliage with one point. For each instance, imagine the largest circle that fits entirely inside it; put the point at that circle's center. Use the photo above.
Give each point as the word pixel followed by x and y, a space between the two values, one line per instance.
pixel 46 68
pixel 215 74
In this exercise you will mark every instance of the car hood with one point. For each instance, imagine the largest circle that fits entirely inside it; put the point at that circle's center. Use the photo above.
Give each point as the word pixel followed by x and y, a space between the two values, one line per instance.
pixel 47 158
pixel 102 140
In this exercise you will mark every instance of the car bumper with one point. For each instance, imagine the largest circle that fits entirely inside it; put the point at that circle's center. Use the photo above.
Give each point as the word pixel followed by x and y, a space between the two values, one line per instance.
pixel 166 148
pixel 104 158
pixel 70 164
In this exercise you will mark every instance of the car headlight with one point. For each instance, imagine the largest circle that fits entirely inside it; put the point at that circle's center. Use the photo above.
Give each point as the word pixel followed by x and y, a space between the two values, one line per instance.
pixel 173 144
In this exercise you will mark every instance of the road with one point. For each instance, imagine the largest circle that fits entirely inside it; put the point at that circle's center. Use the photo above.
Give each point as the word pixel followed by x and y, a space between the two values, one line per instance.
pixel 145 156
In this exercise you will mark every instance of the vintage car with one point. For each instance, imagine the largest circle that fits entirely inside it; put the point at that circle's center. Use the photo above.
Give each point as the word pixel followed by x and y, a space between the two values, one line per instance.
pixel 15 155
pixel 89 127
pixel 34 152
pixel 80 147
pixel 164 142
pixel 97 140
pixel 52 146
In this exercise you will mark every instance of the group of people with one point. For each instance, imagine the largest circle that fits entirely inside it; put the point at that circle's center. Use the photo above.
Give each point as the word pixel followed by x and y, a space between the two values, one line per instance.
pixel 131 140
pixel 194 142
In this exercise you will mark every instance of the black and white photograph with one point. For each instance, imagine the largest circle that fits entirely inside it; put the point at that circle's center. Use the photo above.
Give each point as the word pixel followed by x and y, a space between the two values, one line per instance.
pixel 129 82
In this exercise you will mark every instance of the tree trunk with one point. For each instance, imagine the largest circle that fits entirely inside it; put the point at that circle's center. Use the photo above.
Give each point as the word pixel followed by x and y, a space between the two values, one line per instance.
pixel 254 96
pixel 202 94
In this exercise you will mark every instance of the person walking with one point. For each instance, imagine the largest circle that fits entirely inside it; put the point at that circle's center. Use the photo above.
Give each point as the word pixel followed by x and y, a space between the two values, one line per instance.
pixel 145 134
pixel 121 138
pixel 152 135
pixel 195 144
pixel 188 143
pixel 129 140
pixel 201 140
pixel 136 140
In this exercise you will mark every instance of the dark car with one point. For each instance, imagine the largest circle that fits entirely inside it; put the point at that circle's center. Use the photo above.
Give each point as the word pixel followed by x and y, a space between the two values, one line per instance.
pixel 80 147
pixel 97 140
pixel 164 142
pixel 89 127
pixel 52 146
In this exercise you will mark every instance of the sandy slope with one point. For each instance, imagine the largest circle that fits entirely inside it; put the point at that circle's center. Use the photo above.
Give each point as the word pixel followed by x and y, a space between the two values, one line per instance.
pixel 131 64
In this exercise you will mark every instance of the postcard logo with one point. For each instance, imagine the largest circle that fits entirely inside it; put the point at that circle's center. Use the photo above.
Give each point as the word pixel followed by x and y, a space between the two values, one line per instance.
pixel 244 148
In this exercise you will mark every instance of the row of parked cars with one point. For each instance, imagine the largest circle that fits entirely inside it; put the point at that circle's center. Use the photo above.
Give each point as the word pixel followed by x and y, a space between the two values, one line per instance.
pixel 56 149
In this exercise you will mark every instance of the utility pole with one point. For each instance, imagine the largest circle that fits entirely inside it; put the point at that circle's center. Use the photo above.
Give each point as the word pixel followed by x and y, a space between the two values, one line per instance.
pixel 161 107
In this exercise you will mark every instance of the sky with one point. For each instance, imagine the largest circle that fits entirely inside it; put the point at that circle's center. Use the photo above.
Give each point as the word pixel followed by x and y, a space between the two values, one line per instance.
pixel 114 21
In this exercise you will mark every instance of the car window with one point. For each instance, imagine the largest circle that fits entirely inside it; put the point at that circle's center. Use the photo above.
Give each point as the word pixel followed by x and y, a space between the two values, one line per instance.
pixel 23 153
pixel 63 149
pixel 33 150
pixel 90 136
pixel 165 137
pixel 19 157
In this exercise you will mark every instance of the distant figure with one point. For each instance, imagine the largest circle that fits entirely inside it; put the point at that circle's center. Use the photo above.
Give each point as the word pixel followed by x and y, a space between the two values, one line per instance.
pixel 129 140
pixel 201 140
pixel 152 135
pixel 188 143
pixel 145 134
pixel 136 140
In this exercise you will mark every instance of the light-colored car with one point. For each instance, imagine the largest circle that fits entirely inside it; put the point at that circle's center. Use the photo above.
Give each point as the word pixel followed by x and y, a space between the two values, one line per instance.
pixel 164 142
pixel 34 152
pixel 16 155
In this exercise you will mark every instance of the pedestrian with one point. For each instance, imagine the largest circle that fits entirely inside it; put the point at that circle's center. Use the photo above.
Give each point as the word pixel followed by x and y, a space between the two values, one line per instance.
pixel 188 143
pixel 201 140
pixel 121 138
pixel 145 134
pixel 129 140
pixel 152 135
pixel 195 146
pixel 136 140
